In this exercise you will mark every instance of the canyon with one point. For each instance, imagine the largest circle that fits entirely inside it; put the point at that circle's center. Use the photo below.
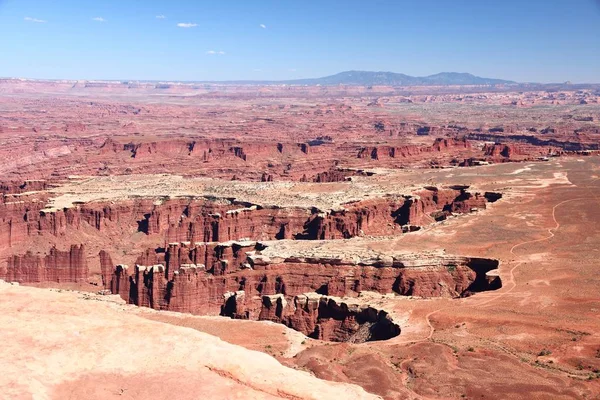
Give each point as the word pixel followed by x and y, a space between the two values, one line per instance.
pixel 437 241
pixel 237 280
pixel 210 259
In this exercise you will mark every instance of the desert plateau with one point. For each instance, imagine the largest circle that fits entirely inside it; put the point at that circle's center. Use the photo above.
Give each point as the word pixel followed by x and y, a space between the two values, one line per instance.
pixel 195 203
pixel 360 242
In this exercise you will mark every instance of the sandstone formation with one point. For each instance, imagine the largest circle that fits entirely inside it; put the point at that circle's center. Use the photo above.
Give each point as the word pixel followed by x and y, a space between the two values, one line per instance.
pixel 57 266
pixel 237 279
pixel 324 318
pixel 211 219
pixel 307 134
pixel 348 214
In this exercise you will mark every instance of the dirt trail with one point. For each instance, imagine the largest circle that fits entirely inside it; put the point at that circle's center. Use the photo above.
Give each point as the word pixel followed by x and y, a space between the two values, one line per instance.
pixel 512 280
pixel 551 232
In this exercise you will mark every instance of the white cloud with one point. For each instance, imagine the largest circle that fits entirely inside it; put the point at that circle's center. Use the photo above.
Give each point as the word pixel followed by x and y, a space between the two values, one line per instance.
pixel 160 17
pixel 98 19
pixel 263 26
pixel 39 21
pixel 186 25
pixel 213 52
pixel 292 69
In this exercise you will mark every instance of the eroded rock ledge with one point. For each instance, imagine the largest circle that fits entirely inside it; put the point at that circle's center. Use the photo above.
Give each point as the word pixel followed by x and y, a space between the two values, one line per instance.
pixel 244 279
pixel 56 266
pixel 25 216
pixel 222 248
pixel 327 318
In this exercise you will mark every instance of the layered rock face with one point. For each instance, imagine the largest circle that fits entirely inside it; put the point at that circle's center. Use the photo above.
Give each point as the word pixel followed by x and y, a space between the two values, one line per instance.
pixel 57 266
pixel 503 150
pixel 176 219
pixel 15 211
pixel 508 152
pixel 334 175
pixel 324 318
pixel 210 220
pixel 234 278
pixel 390 215
pixel 12 187
pixel 386 151
pixel 206 150
pixel 205 222
pixel 534 145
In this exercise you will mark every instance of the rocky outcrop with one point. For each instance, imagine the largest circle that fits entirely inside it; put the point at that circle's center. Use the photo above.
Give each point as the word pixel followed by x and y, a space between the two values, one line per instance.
pixel 387 151
pixel 212 227
pixel 451 281
pixel 442 144
pixel 391 215
pixel 15 211
pixel 12 187
pixel 106 267
pixel 503 150
pixel 236 279
pixel 24 217
pixel 333 175
pixel 175 220
pixel 324 318
pixel 205 149
pixel 207 278
pixel 57 266
pixel 536 144
pixel 207 220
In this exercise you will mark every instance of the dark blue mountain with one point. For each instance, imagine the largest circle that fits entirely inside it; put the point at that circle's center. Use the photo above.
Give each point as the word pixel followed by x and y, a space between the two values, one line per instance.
pixel 371 78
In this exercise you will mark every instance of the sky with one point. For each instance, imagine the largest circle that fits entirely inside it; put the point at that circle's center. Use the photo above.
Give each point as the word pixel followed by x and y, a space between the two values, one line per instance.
pixel 521 40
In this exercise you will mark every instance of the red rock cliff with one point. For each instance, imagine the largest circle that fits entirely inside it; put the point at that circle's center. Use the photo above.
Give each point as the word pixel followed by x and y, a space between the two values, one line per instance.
pixel 180 281
pixel 57 266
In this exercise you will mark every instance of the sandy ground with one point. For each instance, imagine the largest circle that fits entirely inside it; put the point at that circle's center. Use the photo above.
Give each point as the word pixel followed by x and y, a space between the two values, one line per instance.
pixel 69 345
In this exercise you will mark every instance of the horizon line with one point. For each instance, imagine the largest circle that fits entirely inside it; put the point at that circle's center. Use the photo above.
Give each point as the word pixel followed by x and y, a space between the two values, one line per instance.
pixel 295 80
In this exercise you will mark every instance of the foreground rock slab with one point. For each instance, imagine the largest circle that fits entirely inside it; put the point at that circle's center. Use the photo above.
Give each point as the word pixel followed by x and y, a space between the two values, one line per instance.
pixel 69 345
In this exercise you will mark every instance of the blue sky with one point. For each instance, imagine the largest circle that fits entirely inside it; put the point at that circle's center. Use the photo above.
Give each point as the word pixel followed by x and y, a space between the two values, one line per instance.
pixel 523 40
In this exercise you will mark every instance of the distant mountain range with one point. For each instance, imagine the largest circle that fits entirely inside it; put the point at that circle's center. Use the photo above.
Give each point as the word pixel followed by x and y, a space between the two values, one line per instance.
pixel 371 78
pixel 351 78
